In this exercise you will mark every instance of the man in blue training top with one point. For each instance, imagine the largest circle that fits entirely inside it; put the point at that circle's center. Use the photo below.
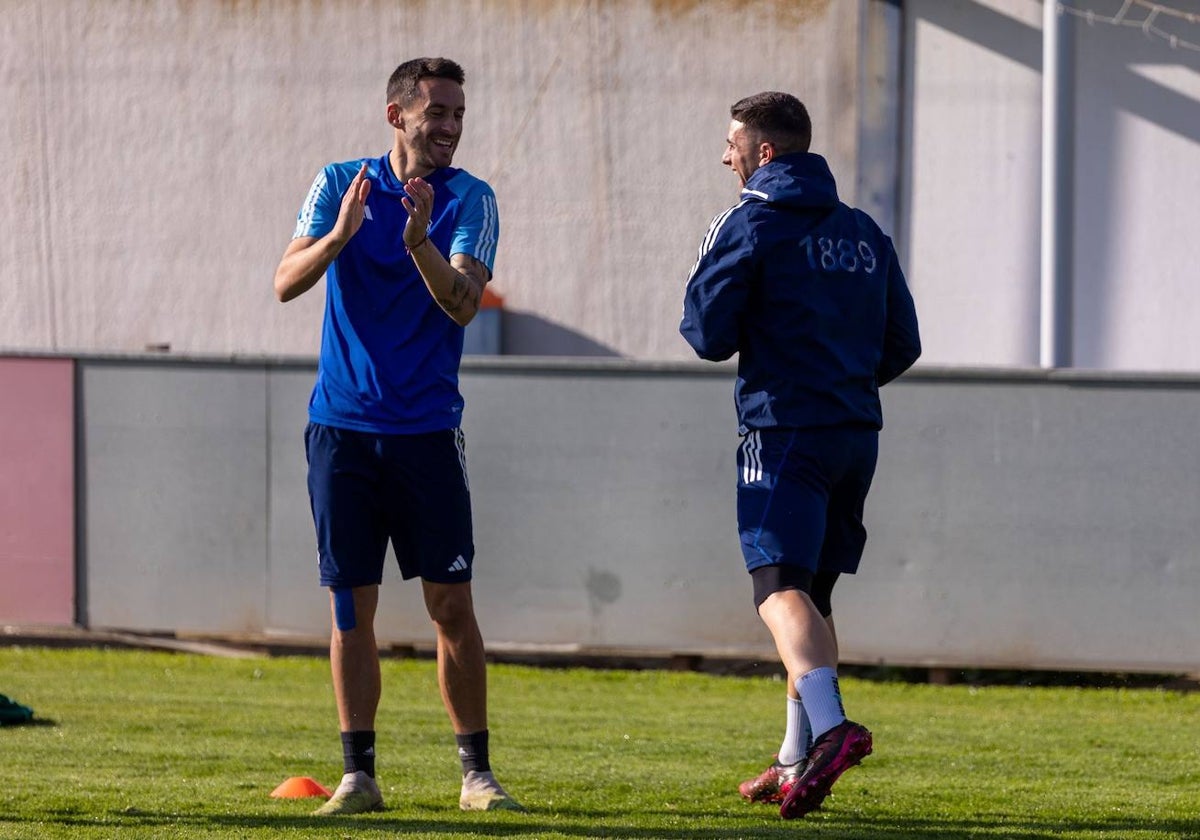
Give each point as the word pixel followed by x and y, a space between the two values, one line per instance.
pixel 406 244
pixel 810 294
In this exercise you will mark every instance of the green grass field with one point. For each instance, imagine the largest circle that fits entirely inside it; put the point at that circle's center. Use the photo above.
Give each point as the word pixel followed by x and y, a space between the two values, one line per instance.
pixel 160 745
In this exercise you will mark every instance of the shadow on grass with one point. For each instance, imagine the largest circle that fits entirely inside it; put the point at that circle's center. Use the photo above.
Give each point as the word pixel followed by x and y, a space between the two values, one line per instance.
pixel 831 826
pixel 1030 679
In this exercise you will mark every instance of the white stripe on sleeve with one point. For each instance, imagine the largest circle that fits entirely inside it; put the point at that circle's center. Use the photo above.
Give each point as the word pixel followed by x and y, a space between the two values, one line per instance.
pixel 710 237
pixel 304 220
pixel 485 248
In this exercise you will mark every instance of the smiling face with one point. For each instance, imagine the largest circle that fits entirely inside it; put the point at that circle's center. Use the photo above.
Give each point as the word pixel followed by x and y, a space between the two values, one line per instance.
pixel 745 151
pixel 429 127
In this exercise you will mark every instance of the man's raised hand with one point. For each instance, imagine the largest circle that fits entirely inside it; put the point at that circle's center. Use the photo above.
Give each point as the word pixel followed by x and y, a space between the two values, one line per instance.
pixel 354 203
pixel 419 205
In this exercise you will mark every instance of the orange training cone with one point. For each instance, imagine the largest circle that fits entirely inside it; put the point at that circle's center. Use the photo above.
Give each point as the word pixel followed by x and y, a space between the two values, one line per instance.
pixel 298 787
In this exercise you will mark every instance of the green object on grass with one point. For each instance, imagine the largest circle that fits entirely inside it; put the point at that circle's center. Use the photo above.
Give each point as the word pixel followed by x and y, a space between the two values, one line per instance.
pixel 12 712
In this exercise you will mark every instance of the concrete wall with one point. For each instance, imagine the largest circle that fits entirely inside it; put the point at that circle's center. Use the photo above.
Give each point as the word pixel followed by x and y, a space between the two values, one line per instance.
pixel 174 496
pixel 158 152
pixel 1017 520
pixel 1047 519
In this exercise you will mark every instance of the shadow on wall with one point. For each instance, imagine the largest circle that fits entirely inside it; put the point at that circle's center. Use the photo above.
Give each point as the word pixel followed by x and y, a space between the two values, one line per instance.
pixel 525 334
pixel 1115 71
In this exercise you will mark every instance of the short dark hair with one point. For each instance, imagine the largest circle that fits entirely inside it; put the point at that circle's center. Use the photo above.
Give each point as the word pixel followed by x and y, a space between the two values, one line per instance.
pixel 402 86
pixel 779 118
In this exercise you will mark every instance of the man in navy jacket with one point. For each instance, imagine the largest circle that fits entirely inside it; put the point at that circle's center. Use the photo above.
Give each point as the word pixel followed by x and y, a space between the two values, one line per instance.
pixel 809 293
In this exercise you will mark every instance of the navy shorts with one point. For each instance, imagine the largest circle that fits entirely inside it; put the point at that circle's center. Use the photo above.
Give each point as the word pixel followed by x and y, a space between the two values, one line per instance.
pixel 367 489
pixel 801 495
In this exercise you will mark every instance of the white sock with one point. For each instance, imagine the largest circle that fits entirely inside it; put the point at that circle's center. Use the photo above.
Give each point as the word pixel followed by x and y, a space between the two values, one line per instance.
pixel 797 736
pixel 822 699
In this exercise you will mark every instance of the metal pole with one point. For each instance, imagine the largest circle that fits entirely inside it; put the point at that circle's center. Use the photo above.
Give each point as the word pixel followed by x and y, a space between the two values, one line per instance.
pixel 1055 292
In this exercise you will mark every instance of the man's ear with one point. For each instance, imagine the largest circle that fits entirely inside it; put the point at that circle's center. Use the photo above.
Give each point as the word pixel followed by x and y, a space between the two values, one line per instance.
pixel 395 116
pixel 766 152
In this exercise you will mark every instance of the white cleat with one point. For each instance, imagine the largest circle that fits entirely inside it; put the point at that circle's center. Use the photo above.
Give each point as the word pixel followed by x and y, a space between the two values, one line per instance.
pixel 481 792
pixel 356 794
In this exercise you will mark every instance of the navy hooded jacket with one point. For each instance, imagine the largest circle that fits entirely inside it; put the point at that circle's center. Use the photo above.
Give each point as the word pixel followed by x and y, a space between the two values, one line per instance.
pixel 809 293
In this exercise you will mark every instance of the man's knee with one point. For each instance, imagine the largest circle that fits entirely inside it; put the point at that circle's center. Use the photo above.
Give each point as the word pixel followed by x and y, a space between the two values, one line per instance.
pixel 449 604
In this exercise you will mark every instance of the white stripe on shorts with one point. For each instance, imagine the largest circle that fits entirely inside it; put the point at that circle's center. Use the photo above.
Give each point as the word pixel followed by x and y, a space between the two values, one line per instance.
pixel 460 443
pixel 752 470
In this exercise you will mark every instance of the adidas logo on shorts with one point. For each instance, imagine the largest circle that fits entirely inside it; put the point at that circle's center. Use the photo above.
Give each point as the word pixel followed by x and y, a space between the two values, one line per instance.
pixel 459 565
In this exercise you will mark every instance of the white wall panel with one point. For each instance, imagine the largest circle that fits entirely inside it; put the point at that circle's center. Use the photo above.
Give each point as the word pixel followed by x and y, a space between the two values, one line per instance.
pixel 970 204
pixel 1045 520
pixel 174 496
pixel 969 214
pixel 1137 175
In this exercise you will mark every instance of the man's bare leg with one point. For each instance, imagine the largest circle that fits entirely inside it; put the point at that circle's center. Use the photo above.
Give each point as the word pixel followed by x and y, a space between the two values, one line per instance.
pixel 808 648
pixel 354 661
pixel 462 679
pixel 354 664
pixel 461 664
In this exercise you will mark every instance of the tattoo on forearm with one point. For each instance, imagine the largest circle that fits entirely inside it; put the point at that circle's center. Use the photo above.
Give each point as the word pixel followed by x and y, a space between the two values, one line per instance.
pixel 462 293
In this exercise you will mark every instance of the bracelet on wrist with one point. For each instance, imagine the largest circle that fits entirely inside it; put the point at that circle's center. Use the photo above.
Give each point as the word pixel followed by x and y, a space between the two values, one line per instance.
pixel 408 249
